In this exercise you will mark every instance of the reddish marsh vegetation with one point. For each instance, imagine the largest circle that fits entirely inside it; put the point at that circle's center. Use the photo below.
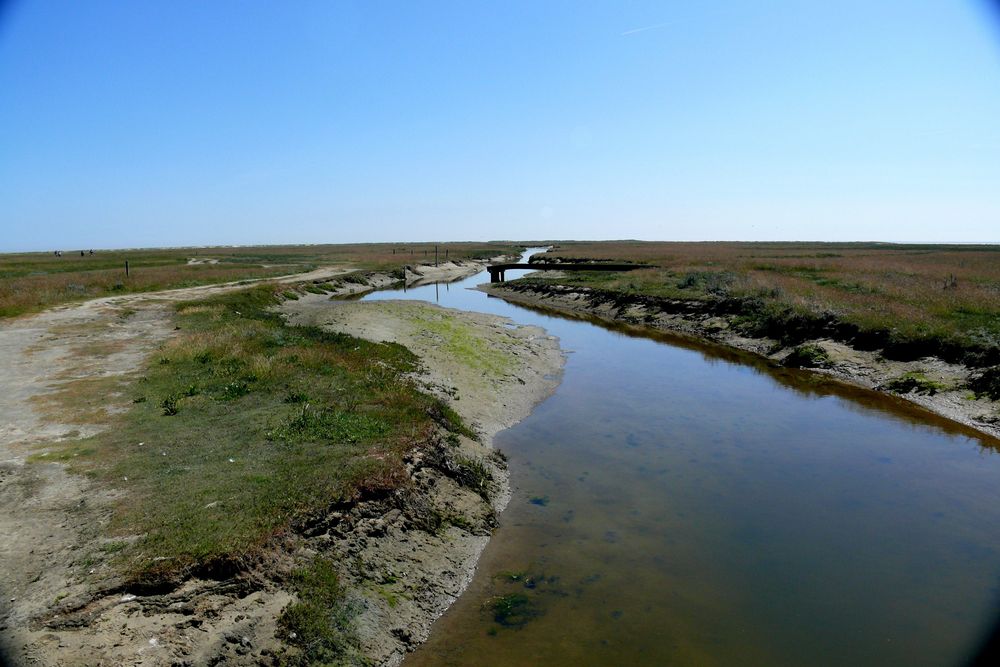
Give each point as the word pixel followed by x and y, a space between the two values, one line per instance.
pixel 910 300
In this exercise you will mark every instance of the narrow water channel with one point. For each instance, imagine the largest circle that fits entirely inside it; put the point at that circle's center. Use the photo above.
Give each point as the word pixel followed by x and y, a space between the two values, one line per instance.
pixel 675 504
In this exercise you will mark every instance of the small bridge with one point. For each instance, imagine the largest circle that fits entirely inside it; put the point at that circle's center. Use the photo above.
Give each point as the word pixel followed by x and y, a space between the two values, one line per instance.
pixel 497 270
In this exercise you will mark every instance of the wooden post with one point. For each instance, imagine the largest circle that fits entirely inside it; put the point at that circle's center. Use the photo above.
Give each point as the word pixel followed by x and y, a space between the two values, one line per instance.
pixel 126 268
pixel 435 255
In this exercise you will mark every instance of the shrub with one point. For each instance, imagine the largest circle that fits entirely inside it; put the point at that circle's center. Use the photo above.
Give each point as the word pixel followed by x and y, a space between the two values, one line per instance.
pixel 987 383
pixel 169 405
pixel 474 474
pixel 807 356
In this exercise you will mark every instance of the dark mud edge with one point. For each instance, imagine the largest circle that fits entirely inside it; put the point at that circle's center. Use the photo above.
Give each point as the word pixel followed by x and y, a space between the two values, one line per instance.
pixel 882 360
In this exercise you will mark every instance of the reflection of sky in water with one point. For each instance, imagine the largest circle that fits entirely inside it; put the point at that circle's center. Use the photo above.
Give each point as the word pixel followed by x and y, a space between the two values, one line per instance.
pixel 704 512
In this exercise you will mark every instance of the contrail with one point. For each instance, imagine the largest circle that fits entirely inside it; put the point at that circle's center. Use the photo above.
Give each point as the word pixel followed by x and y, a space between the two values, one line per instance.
pixel 648 27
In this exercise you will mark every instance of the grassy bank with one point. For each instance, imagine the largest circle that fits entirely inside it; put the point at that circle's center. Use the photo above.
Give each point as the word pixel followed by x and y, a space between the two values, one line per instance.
pixel 243 428
pixel 907 300
pixel 32 281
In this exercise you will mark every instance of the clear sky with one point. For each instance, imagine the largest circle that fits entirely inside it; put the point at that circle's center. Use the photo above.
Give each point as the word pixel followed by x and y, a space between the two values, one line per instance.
pixel 192 122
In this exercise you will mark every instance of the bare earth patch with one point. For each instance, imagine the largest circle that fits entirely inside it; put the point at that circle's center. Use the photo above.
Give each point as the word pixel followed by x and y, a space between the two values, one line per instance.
pixel 65 372
pixel 62 372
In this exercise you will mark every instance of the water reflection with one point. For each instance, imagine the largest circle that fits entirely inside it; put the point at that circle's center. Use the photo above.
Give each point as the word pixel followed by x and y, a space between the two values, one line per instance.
pixel 669 510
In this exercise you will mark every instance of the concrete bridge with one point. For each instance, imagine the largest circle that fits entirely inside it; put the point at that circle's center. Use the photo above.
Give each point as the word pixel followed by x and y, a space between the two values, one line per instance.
pixel 497 270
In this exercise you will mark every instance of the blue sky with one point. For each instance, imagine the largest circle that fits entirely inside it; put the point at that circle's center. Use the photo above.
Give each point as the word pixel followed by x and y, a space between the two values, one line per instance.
pixel 182 123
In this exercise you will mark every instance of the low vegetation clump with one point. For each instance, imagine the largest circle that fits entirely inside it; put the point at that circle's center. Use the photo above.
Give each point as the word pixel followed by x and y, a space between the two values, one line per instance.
pixel 513 610
pixel 474 474
pixel 807 356
pixel 319 626
pixel 245 427
pixel 987 383
pixel 914 382
pixel 909 301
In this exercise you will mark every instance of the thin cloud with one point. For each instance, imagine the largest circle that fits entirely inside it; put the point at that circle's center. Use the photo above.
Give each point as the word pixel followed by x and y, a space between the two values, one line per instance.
pixel 648 27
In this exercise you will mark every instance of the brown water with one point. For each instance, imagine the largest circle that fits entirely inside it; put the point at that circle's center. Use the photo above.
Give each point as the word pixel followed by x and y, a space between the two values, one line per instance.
pixel 678 504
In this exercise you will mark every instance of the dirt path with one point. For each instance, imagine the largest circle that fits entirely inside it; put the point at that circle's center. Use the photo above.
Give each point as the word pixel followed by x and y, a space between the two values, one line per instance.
pixel 65 373
pixel 85 352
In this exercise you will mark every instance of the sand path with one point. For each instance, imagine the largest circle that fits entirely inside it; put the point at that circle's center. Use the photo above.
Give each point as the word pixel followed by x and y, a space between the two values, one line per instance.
pixel 86 350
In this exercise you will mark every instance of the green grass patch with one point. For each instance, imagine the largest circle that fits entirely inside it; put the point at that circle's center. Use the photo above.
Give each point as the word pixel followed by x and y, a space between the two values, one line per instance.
pixel 914 381
pixel 461 341
pixel 807 356
pixel 320 624
pixel 251 427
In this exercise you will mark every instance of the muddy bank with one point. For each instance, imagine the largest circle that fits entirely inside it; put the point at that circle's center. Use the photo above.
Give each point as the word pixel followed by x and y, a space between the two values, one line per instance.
pixel 66 375
pixel 492 373
pixel 935 384
pixel 412 275
pixel 446 271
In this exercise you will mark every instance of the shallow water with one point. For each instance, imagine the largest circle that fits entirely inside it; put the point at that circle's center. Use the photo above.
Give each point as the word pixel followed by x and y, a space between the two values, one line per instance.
pixel 679 504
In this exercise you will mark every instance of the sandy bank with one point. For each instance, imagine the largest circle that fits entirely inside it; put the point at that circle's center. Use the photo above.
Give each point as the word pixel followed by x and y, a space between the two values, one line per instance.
pixel 862 368
pixel 443 272
pixel 492 373
pixel 66 373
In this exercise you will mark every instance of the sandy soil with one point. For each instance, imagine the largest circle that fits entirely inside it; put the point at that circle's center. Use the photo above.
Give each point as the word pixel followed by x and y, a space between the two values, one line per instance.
pixel 861 368
pixel 63 374
pixel 493 382
pixel 445 271
pixel 50 559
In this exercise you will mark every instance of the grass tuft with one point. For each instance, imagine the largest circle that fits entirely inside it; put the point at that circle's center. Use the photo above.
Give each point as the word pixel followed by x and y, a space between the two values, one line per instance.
pixel 269 425
pixel 807 356
pixel 320 624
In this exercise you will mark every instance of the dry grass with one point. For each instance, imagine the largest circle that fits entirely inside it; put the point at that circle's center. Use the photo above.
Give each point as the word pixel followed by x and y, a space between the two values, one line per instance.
pixel 33 281
pixel 90 400
pixel 945 295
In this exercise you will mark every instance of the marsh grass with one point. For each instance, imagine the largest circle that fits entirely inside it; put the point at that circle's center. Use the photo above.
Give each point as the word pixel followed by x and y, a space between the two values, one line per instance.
pixel 250 427
pixel 909 300
pixel 33 281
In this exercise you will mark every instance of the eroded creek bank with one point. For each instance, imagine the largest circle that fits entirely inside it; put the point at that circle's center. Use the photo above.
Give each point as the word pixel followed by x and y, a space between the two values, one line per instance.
pixel 405 557
pixel 492 373
pixel 933 383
